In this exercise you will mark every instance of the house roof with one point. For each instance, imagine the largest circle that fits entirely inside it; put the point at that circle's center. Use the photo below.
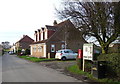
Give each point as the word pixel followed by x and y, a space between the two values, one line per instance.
pixel 25 36
pixel 51 27
pixel 43 41
pixel 57 28
pixel 60 26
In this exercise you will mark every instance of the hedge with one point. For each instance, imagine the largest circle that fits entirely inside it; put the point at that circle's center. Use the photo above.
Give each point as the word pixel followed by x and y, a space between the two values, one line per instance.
pixel 113 64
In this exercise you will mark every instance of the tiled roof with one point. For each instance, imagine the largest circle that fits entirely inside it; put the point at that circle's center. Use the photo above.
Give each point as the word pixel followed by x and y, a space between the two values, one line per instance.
pixel 51 27
pixel 59 25
pixel 63 23
pixel 25 37
pixel 56 28
pixel 43 41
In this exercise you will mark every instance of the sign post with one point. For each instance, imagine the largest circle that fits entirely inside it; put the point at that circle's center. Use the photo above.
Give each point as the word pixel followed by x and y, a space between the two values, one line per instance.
pixel 87 53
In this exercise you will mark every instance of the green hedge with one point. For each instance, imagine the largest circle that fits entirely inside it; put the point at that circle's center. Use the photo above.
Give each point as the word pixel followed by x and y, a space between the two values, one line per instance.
pixel 113 64
pixel 88 64
pixel 27 51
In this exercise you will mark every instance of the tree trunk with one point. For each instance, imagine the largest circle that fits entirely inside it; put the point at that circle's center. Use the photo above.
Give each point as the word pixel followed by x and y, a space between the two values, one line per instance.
pixel 104 49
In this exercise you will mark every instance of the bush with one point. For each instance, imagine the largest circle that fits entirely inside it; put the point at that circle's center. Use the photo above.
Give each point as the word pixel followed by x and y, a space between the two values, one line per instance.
pixel 2 51
pixel 19 52
pixel 27 52
pixel 88 64
pixel 113 65
pixel 79 63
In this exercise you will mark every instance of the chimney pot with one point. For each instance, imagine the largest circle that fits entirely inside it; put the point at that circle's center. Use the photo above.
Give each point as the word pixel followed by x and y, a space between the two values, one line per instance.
pixel 55 22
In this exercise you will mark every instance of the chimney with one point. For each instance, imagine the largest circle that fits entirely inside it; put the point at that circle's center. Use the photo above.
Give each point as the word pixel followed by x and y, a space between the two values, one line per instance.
pixel 24 36
pixel 55 22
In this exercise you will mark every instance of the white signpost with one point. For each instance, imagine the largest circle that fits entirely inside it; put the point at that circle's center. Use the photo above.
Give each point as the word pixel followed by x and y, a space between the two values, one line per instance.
pixel 88 50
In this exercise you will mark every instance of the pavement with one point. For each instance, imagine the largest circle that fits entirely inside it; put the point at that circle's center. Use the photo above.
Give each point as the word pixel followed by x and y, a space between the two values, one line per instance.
pixel 15 69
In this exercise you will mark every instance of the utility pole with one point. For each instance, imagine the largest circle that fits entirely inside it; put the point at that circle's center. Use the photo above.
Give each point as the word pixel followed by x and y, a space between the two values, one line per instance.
pixel 65 37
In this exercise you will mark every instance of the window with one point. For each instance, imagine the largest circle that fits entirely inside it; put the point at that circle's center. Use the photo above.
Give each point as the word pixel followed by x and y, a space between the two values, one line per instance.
pixel 34 48
pixel 63 46
pixel 66 51
pixel 39 49
pixel 52 48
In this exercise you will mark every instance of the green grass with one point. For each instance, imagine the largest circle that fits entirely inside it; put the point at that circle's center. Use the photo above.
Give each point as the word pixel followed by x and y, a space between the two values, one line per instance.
pixel 34 59
pixel 74 69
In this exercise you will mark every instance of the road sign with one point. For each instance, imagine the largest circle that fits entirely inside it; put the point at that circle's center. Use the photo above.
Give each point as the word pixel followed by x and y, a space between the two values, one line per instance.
pixel 88 51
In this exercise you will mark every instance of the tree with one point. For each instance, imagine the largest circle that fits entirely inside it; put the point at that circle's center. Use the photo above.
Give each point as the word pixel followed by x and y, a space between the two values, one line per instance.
pixel 100 20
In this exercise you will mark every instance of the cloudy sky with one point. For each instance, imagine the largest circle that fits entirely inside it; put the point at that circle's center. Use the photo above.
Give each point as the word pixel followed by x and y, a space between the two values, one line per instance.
pixel 19 17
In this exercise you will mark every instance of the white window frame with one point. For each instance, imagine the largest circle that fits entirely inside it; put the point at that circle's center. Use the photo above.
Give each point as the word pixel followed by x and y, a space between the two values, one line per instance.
pixel 39 48
pixel 63 46
pixel 34 48
pixel 52 47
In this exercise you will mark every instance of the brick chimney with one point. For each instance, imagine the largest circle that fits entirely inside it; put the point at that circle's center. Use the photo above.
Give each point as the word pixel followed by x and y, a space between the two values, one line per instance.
pixel 24 36
pixel 55 22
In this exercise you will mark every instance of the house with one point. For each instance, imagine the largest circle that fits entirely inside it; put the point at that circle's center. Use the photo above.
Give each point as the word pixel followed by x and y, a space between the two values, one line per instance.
pixel 13 49
pixel 114 48
pixel 52 38
pixel 23 43
pixel 6 45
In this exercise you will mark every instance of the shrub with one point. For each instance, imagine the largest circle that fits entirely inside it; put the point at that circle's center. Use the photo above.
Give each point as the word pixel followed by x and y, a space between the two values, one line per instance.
pixel 113 65
pixel 79 63
pixel 88 64
pixel 2 51
pixel 19 51
pixel 27 52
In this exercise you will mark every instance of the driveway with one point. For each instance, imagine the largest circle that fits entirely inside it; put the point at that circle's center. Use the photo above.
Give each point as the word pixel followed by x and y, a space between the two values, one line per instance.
pixel 15 69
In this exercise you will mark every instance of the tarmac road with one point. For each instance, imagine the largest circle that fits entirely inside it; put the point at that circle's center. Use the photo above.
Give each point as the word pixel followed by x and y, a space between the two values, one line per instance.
pixel 15 69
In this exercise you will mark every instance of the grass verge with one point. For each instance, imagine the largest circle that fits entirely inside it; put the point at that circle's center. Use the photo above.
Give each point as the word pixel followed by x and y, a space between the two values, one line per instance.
pixel 34 59
pixel 74 69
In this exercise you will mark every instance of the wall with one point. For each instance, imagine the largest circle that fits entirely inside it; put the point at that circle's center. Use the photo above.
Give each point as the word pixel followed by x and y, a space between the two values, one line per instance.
pixel 38 50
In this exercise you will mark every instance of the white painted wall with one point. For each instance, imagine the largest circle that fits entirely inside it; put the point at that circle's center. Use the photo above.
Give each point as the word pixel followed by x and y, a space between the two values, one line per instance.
pixel 45 50
pixel 37 36
pixel 31 50
pixel 41 35
pixel 46 34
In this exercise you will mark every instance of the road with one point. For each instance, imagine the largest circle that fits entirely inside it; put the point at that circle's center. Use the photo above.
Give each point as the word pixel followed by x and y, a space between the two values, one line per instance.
pixel 15 69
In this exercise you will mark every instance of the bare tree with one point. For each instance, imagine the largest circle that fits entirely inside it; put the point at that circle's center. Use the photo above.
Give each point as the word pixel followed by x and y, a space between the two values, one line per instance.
pixel 94 19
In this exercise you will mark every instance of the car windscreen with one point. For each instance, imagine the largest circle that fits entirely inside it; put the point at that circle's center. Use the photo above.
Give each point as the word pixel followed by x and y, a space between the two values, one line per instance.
pixel 59 51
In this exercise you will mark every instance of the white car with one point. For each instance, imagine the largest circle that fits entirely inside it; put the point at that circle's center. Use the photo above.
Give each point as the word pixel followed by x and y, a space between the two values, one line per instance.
pixel 65 54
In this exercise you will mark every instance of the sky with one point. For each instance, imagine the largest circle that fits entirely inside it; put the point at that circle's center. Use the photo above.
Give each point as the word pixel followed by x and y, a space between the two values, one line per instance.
pixel 23 17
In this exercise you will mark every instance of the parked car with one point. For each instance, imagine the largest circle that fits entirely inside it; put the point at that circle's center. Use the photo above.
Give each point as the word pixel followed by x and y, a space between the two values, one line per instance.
pixel 65 54
pixel 10 52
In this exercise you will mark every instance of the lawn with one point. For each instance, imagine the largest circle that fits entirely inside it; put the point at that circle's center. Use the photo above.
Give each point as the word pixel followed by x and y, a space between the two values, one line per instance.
pixel 34 59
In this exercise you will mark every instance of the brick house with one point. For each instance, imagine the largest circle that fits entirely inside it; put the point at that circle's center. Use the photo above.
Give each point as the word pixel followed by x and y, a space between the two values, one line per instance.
pixel 24 43
pixel 52 38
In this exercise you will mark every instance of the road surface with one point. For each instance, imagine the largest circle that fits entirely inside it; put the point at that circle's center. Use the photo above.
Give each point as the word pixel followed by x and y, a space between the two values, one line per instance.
pixel 15 69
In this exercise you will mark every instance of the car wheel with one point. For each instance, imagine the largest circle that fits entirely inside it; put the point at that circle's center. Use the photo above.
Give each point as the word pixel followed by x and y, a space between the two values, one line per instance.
pixel 63 58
